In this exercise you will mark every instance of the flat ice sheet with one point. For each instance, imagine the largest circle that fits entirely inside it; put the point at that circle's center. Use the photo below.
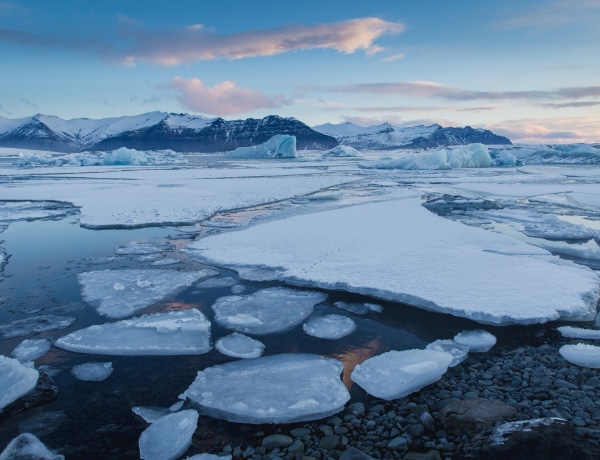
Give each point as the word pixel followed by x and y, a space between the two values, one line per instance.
pixel 184 332
pixel 397 250
pixel 120 293
pixel 282 388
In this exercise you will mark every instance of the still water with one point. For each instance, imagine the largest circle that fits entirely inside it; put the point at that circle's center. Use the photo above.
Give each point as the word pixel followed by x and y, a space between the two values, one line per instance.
pixel 94 419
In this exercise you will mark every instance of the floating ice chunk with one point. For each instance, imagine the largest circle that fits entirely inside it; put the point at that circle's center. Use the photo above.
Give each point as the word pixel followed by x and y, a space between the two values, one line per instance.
pixel 584 154
pixel 34 324
pixel 239 345
pixel 165 261
pixel 283 388
pixel 279 146
pixel 342 151
pixel 266 311
pixel 31 349
pixel 92 372
pixel 579 333
pixel 478 341
pixel 184 332
pixel 459 352
pixel 217 283
pixel 396 374
pixel 27 447
pixel 120 293
pixel 206 456
pixel 465 156
pixel 581 355
pixel 356 308
pixel 137 249
pixel 503 158
pixel 168 437
pixel 16 380
pixel 150 414
pixel 329 327
pixel 238 289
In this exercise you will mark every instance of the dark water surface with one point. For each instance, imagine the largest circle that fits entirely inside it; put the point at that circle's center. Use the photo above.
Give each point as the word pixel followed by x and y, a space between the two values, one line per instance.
pixel 94 419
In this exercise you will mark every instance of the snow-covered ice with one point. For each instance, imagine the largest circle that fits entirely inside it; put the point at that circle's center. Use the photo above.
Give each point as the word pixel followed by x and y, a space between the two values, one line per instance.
pixel 396 374
pixel 459 352
pixel 27 447
pixel 478 341
pixel 279 146
pixel 120 293
pixel 34 324
pixel 31 349
pixel 581 354
pixel 331 327
pixel 397 250
pixel 92 372
pixel 271 310
pixel 168 437
pixel 579 332
pixel 185 332
pixel 239 345
pixel 282 388
pixel 16 380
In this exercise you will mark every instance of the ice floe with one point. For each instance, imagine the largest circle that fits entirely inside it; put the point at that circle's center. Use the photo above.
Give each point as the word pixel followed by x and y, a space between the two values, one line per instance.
pixel 239 345
pixel 31 349
pixel 120 293
pixel 458 351
pixel 579 332
pixel 581 355
pixel 282 388
pixel 279 146
pixel 185 332
pixel 16 380
pixel 168 437
pixel 396 374
pixel 27 447
pixel 331 327
pixel 150 414
pixel 395 249
pixel 92 372
pixel 359 308
pixel 34 324
pixel 143 248
pixel 478 341
pixel 271 310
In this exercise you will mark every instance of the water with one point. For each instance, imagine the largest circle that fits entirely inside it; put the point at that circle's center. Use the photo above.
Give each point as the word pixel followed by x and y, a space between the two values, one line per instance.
pixel 94 419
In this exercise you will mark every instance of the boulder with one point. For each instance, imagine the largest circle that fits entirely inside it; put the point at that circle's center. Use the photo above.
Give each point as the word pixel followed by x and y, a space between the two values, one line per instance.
pixel 474 415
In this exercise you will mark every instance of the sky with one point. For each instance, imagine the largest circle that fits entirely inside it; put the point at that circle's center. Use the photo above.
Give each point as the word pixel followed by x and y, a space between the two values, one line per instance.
pixel 526 70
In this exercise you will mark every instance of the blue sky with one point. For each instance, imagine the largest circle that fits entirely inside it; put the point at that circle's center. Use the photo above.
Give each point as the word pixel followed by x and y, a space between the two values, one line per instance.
pixel 528 70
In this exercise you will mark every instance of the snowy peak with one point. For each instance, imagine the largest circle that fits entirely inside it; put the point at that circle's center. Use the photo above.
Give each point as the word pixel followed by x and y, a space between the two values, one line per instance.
pixel 386 136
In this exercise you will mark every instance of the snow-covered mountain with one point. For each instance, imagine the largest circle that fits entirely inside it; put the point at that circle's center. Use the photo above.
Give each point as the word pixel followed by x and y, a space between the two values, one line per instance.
pixel 154 131
pixel 386 136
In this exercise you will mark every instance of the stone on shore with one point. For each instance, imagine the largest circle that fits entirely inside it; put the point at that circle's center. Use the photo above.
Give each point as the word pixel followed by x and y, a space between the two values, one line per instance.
pixel 474 415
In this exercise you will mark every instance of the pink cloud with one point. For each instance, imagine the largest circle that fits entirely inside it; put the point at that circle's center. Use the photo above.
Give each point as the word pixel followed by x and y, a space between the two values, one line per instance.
pixel 196 43
pixel 224 98
pixel 549 131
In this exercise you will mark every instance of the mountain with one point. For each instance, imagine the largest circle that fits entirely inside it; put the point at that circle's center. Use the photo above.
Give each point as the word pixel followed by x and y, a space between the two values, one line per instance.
pixel 154 131
pixel 386 136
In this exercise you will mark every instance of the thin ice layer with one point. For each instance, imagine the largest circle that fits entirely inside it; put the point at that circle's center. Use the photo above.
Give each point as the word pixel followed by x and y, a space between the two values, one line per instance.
pixel 184 332
pixel 396 374
pixel 168 437
pixel 31 349
pixel 282 388
pixel 16 380
pixel 92 372
pixel 399 251
pixel 120 293
pixel 267 311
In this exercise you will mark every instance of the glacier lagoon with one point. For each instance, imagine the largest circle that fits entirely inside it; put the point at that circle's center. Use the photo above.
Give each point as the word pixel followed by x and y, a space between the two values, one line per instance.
pixel 47 254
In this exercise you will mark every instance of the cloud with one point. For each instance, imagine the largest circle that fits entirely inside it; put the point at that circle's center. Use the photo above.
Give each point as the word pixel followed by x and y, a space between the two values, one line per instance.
pixel 393 57
pixel 566 105
pixel 553 15
pixel 224 98
pixel 197 43
pixel 549 131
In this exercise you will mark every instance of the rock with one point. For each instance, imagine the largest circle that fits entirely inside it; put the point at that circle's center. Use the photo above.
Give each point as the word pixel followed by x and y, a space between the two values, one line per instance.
pixel 329 442
pixel 474 415
pixel 352 453
pixel 431 455
pixel 297 447
pixel 546 438
pixel 276 441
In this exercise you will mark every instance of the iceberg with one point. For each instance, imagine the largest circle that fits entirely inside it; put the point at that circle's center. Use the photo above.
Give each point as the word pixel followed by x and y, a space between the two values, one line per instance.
pixel 271 310
pixel 579 332
pixel 331 327
pixel 31 349
pixel 575 154
pixel 120 293
pixel 465 156
pixel 282 388
pixel 396 374
pixel 168 437
pixel 279 146
pixel 478 341
pixel 34 325
pixel 458 351
pixel 92 372
pixel 27 447
pixel 581 355
pixel 185 332
pixel 239 345
pixel 342 151
pixel 16 380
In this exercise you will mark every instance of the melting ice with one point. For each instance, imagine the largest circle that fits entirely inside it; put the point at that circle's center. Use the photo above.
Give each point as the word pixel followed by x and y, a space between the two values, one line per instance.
pixel 168 437
pixel 31 349
pixel 239 345
pixel 92 372
pixel 329 326
pixel 478 341
pixel 16 380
